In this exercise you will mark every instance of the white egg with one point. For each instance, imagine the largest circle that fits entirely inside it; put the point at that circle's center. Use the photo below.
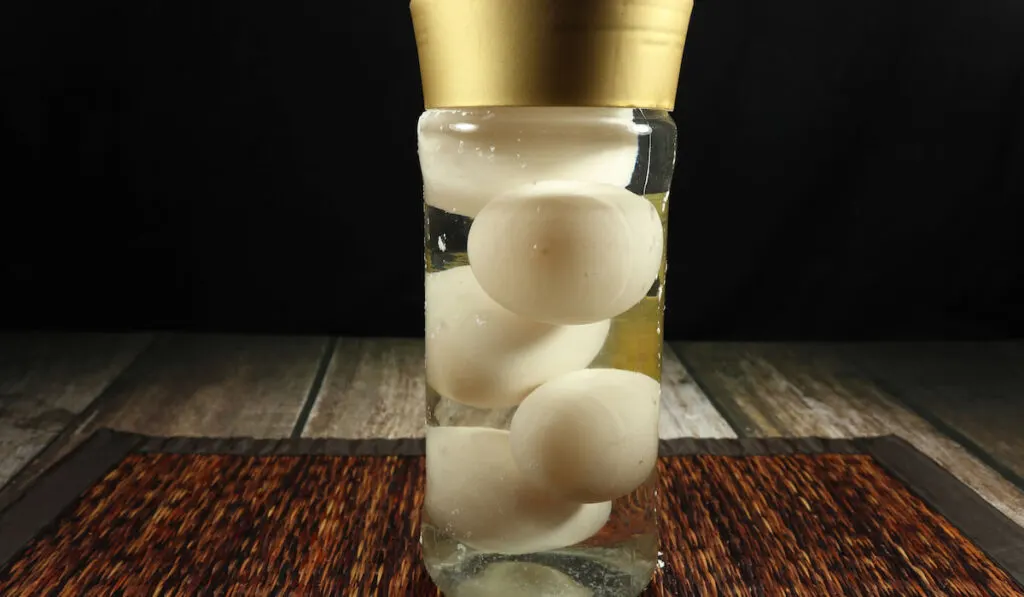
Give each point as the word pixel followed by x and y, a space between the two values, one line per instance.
pixel 481 354
pixel 469 157
pixel 475 493
pixel 521 579
pixel 648 251
pixel 590 435
pixel 567 252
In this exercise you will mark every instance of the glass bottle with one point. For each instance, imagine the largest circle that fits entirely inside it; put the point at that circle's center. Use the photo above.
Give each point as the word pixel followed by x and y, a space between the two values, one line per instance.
pixel 546 182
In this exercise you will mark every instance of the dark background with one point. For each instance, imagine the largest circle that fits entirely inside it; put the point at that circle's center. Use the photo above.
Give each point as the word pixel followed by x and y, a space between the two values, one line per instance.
pixel 846 169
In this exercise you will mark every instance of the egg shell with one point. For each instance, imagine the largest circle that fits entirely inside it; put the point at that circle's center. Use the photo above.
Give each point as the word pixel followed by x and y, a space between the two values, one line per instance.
pixel 475 493
pixel 567 252
pixel 590 435
pixel 479 353
pixel 648 251
pixel 467 161
pixel 521 579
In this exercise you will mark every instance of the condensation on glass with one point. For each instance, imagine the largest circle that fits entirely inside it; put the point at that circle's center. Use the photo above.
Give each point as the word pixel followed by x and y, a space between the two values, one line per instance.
pixel 544 247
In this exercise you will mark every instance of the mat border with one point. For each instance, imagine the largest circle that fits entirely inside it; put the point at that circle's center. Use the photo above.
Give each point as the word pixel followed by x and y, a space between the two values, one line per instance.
pixel 995 534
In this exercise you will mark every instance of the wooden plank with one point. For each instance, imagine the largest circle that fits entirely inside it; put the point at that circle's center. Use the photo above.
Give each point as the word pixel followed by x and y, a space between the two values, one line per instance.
pixel 217 386
pixel 685 410
pixel 808 390
pixel 376 388
pixel 972 391
pixel 197 385
pixel 46 379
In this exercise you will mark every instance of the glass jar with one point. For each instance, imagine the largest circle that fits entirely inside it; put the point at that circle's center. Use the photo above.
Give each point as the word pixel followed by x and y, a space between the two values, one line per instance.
pixel 544 247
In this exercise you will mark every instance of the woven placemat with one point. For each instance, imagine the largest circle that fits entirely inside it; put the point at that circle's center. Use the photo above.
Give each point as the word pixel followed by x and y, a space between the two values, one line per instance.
pixel 127 514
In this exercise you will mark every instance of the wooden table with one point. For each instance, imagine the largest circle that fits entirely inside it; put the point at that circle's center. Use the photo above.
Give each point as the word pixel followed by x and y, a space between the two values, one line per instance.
pixel 961 404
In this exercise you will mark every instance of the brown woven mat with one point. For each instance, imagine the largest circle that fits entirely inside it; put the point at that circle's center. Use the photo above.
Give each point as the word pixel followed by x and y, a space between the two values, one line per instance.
pixel 128 515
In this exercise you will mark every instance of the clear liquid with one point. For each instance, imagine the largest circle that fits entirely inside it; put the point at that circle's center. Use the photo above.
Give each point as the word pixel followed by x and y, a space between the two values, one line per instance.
pixel 615 562
pixel 619 560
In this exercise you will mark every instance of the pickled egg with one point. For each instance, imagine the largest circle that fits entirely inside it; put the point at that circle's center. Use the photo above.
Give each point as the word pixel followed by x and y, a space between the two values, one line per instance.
pixel 566 252
pixel 479 353
pixel 475 493
pixel 521 579
pixel 468 157
pixel 589 435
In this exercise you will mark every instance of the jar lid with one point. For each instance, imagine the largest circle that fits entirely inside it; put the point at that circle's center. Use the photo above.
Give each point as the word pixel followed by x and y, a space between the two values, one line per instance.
pixel 606 53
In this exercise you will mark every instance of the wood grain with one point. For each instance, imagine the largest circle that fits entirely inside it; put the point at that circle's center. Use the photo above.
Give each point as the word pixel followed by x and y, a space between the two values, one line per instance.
pixel 685 410
pixel 972 391
pixel 47 379
pixel 217 386
pixel 197 385
pixel 376 388
pixel 809 390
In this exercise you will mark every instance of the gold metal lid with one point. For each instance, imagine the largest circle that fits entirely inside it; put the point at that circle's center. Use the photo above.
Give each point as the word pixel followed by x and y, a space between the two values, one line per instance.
pixel 609 53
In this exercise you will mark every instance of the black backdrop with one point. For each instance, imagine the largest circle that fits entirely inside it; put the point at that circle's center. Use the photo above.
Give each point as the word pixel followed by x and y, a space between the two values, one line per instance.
pixel 846 169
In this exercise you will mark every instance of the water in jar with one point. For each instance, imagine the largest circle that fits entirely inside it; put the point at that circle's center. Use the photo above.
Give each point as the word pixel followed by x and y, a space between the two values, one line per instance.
pixel 544 252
